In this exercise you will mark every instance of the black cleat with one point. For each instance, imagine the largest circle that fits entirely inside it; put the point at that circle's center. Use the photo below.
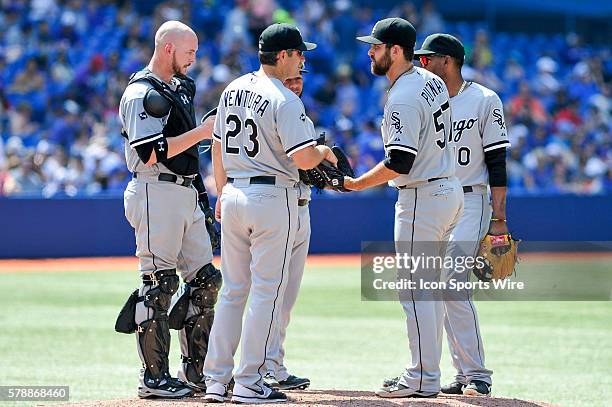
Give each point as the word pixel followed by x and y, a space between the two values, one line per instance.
pixel 169 388
pixel 453 388
pixel 294 383
pixel 477 388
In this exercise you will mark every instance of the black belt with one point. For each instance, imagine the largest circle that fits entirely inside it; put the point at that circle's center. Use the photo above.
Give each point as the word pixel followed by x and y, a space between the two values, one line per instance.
pixel 302 202
pixel 429 180
pixel 172 178
pixel 467 190
pixel 262 180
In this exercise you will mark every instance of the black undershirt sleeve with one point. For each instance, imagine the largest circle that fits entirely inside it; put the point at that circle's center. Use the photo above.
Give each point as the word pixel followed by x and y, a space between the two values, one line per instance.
pixel 496 164
pixel 399 161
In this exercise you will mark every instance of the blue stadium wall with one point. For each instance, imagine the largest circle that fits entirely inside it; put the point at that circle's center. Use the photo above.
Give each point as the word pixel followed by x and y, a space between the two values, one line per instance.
pixel 39 228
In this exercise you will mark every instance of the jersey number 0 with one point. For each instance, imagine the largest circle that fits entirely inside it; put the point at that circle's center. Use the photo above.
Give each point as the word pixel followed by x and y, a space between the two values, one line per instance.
pixel 250 126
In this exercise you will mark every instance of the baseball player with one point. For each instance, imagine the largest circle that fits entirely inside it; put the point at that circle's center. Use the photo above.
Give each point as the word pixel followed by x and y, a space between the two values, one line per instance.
pixel 419 162
pixel 277 376
pixel 480 141
pixel 156 111
pixel 261 138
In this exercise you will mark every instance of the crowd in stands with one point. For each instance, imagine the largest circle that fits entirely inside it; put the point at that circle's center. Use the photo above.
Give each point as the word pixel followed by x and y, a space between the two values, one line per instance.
pixel 65 63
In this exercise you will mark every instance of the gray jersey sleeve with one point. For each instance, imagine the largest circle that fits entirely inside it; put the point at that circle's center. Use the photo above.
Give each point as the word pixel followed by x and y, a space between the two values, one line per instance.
pixel 493 125
pixel 140 126
pixel 217 127
pixel 294 128
pixel 403 125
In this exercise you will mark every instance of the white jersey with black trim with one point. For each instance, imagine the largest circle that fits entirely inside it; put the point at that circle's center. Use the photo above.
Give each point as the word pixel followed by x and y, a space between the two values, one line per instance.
pixel 260 124
pixel 417 119
pixel 478 127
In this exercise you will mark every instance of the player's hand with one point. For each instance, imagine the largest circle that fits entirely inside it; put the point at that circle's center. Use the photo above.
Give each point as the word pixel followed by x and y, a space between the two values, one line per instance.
pixel 329 155
pixel 218 209
pixel 498 227
pixel 207 127
pixel 351 184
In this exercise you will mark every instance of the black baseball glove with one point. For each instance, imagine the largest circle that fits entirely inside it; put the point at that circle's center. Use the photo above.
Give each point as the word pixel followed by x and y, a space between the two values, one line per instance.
pixel 209 214
pixel 326 175
pixel 305 176
pixel 209 217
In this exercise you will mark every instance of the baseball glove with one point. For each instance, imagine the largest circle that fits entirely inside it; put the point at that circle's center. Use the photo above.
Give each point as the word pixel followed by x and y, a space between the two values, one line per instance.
pixel 326 175
pixel 211 228
pixel 305 178
pixel 499 256
pixel 344 164
pixel 305 175
pixel 209 214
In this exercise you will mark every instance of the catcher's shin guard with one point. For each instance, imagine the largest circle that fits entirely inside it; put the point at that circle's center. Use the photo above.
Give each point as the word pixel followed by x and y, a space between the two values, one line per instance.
pixel 152 320
pixel 197 318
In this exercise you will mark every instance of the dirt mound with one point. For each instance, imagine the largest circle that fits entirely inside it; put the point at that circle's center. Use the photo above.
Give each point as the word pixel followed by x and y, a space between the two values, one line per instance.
pixel 326 398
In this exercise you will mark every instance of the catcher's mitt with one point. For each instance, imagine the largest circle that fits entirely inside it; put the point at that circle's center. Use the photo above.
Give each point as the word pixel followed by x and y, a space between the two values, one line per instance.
pixel 211 228
pixel 326 175
pixel 499 256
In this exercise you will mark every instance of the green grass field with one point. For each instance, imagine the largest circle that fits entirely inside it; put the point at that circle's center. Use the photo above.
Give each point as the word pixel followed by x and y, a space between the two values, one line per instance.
pixel 57 329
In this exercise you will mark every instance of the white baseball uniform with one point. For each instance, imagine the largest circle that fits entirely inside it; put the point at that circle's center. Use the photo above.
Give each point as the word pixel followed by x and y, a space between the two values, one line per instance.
pixel 417 119
pixel 478 127
pixel 259 125
pixel 276 358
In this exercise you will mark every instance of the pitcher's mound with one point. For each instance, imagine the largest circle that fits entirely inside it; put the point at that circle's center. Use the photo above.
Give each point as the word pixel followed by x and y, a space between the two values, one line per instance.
pixel 327 398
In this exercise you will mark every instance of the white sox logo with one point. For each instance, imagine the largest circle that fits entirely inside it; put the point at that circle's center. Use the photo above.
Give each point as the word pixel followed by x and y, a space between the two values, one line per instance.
pixel 461 125
pixel 396 123
pixel 161 146
pixel 499 119
pixel 185 99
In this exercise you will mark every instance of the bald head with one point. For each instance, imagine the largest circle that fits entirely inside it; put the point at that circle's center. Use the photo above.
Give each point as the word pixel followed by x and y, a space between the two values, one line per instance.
pixel 172 32
pixel 175 47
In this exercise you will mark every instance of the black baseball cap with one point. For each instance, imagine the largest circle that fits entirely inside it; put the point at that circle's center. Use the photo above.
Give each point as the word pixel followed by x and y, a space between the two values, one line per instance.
pixel 441 44
pixel 396 31
pixel 282 36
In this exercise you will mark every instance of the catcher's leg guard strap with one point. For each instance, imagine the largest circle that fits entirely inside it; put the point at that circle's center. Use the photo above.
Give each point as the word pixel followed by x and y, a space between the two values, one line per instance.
pixel 154 333
pixel 203 290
